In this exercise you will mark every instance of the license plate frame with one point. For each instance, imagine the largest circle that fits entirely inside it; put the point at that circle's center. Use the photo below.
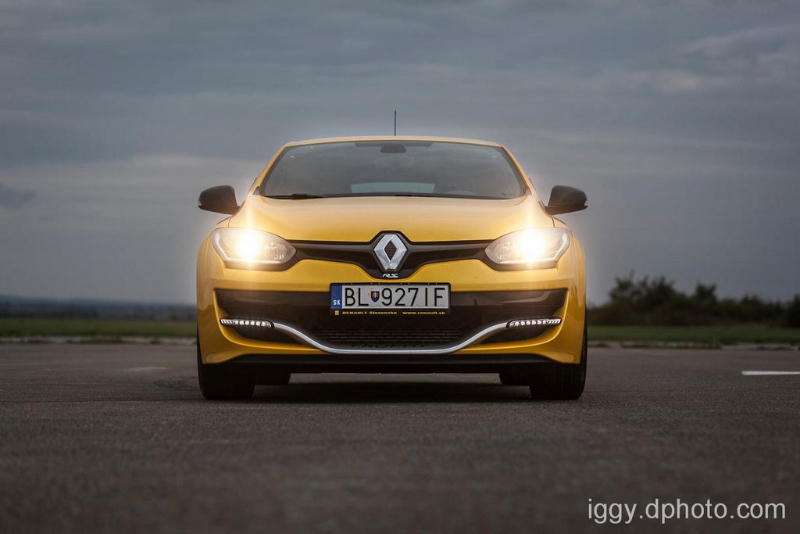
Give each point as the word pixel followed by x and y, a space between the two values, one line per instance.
pixel 400 293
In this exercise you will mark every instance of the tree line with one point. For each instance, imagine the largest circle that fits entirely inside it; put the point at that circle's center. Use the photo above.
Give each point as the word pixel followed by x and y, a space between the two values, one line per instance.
pixel 656 302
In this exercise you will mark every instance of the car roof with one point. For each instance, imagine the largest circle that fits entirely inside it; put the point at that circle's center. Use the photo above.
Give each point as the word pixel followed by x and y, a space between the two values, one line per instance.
pixel 390 138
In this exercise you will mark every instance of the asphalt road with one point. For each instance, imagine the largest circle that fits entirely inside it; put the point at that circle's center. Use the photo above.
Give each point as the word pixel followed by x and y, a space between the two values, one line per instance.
pixel 117 438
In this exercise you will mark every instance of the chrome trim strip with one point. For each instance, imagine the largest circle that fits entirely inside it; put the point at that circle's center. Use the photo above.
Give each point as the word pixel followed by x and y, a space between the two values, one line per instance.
pixel 300 336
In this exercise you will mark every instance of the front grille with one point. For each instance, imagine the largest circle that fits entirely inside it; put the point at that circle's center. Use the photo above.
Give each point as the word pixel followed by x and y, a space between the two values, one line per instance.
pixel 389 338
pixel 363 254
pixel 264 334
pixel 469 313
pixel 517 334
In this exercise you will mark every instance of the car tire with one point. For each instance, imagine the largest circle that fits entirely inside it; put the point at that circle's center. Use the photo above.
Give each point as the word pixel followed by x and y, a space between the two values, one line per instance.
pixel 218 383
pixel 563 381
pixel 514 378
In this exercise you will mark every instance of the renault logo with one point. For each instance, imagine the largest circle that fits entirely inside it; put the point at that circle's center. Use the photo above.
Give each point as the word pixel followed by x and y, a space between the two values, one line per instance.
pixel 390 251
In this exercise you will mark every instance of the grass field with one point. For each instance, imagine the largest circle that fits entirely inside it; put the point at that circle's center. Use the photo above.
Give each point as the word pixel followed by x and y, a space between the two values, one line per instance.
pixel 12 327
pixel 705 335
pixel 115 329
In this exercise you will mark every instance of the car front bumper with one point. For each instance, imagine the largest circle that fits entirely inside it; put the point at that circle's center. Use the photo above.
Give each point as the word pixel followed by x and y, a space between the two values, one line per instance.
pixel 291 301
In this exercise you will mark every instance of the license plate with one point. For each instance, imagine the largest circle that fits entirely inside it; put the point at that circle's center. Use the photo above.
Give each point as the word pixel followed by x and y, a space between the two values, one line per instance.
pixel 390 299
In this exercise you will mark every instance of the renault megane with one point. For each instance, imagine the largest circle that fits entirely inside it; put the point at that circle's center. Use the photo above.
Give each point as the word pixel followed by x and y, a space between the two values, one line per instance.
pixel 391 254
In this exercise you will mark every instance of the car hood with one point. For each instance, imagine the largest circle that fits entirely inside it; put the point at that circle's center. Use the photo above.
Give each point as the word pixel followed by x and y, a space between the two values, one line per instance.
pixel 420 219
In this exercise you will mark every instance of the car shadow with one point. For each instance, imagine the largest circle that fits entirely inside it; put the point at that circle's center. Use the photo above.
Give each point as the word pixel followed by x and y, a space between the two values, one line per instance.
pixel 357 392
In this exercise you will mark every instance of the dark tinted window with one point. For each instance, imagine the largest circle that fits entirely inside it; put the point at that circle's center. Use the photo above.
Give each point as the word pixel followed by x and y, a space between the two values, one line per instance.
pixel 393 168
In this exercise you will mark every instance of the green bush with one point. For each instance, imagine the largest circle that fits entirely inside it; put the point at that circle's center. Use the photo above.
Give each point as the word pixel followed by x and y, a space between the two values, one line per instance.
pixel 655 302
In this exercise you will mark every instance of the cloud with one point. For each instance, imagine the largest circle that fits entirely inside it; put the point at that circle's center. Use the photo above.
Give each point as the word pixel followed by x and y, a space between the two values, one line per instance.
pixel 748 42
pixel 120 113
pixel 12 197
pixel 759 63
pixel 119 229
pixel 765 57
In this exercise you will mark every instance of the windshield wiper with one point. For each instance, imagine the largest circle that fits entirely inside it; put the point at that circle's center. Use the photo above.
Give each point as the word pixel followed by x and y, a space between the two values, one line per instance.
pixel 294 196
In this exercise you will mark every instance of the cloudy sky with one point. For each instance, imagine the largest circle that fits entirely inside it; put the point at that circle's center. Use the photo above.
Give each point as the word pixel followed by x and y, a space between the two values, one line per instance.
pixel 680 119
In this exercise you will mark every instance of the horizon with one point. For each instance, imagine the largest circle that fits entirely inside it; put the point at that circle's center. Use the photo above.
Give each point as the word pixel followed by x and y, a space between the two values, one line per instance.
pixel 112 301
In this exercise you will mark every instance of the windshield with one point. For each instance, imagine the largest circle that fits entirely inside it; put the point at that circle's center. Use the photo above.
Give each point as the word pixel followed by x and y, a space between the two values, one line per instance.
pixel 393 168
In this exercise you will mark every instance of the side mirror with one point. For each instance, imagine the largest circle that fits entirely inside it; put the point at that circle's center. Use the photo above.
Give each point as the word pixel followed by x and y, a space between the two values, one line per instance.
pixel 219 199
pixel 565 199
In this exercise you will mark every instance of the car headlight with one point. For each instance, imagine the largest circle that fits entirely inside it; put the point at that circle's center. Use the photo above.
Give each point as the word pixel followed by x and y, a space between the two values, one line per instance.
pixel 537 248
pixel 251 247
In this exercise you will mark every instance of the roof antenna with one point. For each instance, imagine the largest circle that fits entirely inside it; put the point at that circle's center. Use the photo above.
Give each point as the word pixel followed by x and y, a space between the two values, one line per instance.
pixel 395 123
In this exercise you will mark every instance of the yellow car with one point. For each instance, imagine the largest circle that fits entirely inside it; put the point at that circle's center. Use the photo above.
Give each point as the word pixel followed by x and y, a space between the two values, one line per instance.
pixel 391 255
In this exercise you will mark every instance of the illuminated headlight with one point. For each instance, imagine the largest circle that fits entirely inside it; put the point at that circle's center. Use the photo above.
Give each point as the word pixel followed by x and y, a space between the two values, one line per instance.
pixel 251 247
pixel 537 248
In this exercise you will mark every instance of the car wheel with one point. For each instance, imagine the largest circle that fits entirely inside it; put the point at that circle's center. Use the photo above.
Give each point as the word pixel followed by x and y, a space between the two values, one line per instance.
pixel 514 378
pixel 218 383
pixel 563 381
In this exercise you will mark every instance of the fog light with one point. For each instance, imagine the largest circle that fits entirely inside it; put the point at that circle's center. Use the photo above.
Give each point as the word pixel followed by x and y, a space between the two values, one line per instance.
pixel 232 321
pixel 549 321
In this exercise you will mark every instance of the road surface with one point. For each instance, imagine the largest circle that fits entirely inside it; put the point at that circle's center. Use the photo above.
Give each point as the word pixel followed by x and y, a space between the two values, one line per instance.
pixel 116 438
